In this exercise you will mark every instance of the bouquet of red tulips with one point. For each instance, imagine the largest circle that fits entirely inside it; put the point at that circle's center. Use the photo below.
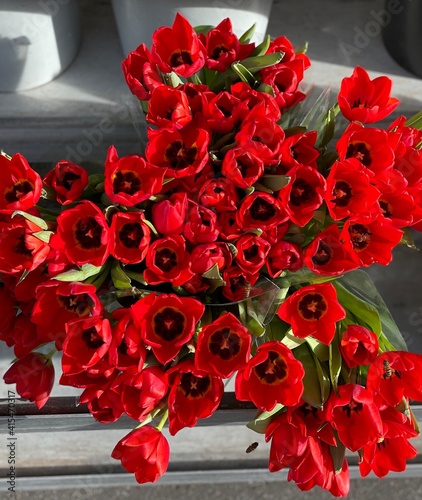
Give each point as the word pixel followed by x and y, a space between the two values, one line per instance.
pixel 232 248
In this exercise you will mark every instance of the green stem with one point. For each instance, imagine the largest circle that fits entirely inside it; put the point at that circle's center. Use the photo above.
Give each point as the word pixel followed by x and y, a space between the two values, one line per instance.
pixel 163 420
pixel 50 354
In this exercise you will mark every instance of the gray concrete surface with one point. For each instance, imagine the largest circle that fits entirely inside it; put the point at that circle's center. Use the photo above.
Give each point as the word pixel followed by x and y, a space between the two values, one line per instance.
pixel 88 108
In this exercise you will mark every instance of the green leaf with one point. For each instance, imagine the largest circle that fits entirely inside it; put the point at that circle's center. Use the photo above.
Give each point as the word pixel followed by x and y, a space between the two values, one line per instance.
pixel 362 298
pixel 275 182
pixel 334 362
pixel 120 279
pixel 262 48
pixel 2 153
pixel 326 129
pixel 264 87
pixel 248 34
pixel 214 278
pixel 337 454
pixel 408 240
pixel 415 121
pixel 248 317
pixel 260 423
pixel 252 64
pixel 320 350
pixel 319 108
pixel 35 220
pixel 364 311
pixel 204 29
pixel 244 74
pixel 291 341
pixel 81 274
pixel 313 392
pixel 276 329
pixel 43 235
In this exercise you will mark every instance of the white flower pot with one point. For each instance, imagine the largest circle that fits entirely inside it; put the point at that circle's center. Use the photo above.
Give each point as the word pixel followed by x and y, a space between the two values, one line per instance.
pixel 38 41
pixel 138 19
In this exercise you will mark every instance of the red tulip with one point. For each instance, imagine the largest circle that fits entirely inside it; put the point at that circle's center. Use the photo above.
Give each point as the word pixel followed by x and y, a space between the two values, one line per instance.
pixel 272 376
pixel 193 394
pixel 20 185
pixel 313 310
pixel 34 377
pixel 223 346
pixel 68 181
pixel 144 451
pixel 364 100
pixel 355 416
pixel 358 346
pixel 167 322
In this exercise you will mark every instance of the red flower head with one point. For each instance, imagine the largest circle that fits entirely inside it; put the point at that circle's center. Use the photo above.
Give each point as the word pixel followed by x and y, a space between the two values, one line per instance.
pixel 223 346
pixel 236 283
pixel 252 252
pixel 355 416
pixel 272 376
pixel 250 98
pixel 193 394
pixel 20 249
pixel 129 238
pixel 394 375
pixel 390 452
pixel 219 194
pixel 168 261
pixel 168 322
pixel 289 440
pixel 327 254
pixel 364 100
pixel 68 181
pixel 182 152
pixel 370 240
pixel 373 147
pixel 285 79
pixel 207 255
pixel 303 195
pixel 260 210
pixel 58 303
pixel 130 180
pixel 144 451
pixel 34 377
pixel 223 47
pixel 103 400
pixel 140 74
pixel 260 135
pixel 243 167
pixel 201 226
pixel 178 48
pixel 313 310
pixel 82 234
pixel 168 108
pixel 358 346
pixel 283 256
pixel 142 391
pixel 20 185
pixel 127 348
pixel 299 149
pixel 168 216
pixel 86 344
pixel 222 112
pixel 349 190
